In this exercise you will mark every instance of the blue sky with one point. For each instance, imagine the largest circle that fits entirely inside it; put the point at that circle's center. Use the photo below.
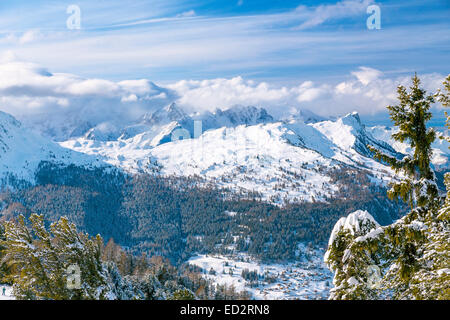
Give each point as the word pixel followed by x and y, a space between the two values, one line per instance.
pixel 283 43
pixel 257 39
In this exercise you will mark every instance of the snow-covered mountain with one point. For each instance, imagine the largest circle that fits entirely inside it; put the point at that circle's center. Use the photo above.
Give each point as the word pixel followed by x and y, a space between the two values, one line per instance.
pixel 235 116
pixel 349 133
pixel 308 117
pixel 244 148
pixel 22 150
pixel 172 117
pixel 165 115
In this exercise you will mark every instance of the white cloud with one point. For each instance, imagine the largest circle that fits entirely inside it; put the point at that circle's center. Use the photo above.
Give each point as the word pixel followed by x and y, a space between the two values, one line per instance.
pixel 63 101
pixel 130 98
pixel 30 36
pixel 8 56
pixel 366 90
pixel 187 14
pixel 60 102
pixel 22 38
pixel 366 75
pixel 223 93
pixel 322 13
pixel 308 92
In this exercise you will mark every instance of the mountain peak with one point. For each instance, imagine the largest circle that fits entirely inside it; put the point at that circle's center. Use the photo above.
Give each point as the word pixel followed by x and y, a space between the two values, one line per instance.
pixel 307 116
pixel 248 115
pixel 352 115
pixel 173 108
pixel 353 120
pixel 165 115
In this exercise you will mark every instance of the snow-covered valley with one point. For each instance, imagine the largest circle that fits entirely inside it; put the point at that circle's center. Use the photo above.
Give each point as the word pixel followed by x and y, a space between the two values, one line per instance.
pixel 305 279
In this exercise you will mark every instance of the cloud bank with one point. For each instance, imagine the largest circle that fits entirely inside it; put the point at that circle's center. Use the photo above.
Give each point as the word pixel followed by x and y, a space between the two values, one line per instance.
pixel 365 90
pixel 59 104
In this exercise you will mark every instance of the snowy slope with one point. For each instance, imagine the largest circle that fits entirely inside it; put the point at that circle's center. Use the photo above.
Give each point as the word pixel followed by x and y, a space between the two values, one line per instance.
pixel 172 117
pixel 349 133
pixel 255 158
pixel 21 151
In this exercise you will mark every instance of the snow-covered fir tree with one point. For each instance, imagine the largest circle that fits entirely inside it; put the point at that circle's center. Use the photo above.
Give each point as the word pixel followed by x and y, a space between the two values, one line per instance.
pixel 444 99
pixel 410 258
pixel 42 262
pixel 39 263
pixel 411 115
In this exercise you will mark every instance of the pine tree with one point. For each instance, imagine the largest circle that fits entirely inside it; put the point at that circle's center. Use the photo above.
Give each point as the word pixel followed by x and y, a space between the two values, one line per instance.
pixel 348 259
pixel 444 99
pixel 183 294
pixel 412 254
pixel 40 260
pixel 432 279
pixel 4 270
pixel 411 115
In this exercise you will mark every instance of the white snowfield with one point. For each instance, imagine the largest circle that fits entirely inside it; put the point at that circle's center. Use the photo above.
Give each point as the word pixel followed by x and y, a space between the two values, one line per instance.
pixel 21 151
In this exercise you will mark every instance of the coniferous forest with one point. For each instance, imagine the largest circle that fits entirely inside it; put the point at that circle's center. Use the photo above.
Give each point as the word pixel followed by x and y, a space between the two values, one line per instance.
pixel 161 216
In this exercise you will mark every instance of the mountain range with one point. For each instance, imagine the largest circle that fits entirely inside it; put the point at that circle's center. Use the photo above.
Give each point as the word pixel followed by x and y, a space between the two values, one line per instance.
pixel 242 148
